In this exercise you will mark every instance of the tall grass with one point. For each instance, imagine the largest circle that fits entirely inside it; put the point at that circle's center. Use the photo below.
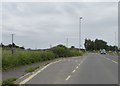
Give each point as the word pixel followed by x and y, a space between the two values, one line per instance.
pixel 0 58
pixel 74 52
pixel 24 57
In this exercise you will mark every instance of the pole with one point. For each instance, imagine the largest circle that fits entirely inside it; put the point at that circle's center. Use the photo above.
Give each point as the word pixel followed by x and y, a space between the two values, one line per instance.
pixel 67 42
pixel 80 32
pixel 50 46
pixel 94 46
pixel 12 43
pixel 115 42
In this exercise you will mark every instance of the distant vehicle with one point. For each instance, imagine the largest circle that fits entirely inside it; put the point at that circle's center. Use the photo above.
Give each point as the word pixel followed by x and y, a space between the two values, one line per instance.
pixel 103 51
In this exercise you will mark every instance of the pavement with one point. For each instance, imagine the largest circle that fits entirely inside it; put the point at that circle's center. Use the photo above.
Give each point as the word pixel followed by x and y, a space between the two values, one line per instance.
pixel 93 68
pixel 20 71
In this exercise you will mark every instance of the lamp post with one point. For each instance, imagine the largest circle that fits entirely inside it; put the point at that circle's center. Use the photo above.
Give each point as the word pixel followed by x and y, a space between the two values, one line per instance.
pixel 115 43
pixel 66 42
pixel 80 32
pixel 12 43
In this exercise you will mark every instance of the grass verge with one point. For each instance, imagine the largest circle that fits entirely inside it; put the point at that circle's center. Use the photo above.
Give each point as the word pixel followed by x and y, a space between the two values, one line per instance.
pixel 9 82
pixel 31 69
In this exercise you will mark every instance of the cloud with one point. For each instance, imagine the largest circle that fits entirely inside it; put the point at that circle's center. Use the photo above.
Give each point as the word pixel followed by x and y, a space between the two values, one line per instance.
pixel 48 23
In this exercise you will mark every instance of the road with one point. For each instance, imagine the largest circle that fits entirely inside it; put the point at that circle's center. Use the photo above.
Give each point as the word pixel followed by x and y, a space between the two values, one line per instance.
pixel 92 68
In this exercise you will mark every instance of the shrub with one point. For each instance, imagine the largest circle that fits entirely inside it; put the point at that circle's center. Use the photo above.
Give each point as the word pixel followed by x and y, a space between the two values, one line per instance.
pixel 60 51
pixel 63 51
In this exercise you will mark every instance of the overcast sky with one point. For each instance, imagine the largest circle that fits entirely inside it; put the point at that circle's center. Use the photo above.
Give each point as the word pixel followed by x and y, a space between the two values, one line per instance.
pixel 39 25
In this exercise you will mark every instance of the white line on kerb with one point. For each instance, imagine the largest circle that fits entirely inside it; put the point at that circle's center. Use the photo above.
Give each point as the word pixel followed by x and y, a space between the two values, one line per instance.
pixel 24 75
pixel 68 77
pixel 33 75
pixel 73 71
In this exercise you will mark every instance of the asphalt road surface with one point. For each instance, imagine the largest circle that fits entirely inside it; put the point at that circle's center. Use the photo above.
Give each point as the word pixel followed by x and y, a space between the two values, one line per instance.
pixel 90 69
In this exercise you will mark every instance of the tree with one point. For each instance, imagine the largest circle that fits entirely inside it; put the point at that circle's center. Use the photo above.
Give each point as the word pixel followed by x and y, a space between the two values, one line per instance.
pixel 10 46
pixel 2 45
pixel 100 44
pixel 22 47
pixel 89 45
pixel 97 45
pixel 72 46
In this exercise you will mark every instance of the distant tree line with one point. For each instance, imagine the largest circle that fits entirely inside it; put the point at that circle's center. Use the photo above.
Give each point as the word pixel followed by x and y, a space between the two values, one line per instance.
pixel 10 46
pixel 91 45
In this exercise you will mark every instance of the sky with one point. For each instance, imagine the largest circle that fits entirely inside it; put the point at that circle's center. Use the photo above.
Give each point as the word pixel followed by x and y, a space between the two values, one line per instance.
pixel 45 24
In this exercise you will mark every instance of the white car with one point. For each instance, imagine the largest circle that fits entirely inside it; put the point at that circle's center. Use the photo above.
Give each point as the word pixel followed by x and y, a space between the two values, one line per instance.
pixel 103 51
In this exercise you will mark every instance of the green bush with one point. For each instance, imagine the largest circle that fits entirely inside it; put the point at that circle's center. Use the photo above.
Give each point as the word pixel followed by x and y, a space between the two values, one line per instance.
pixel 62 51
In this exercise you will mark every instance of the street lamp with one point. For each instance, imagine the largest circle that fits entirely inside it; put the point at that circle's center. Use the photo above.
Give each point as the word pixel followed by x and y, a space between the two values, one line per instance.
pixel 115 43
pixel 66 42
pixel 12 43
pixel 80 32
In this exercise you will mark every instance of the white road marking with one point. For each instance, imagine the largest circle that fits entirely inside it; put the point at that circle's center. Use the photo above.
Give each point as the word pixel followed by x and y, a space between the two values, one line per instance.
pixel 110 59
pixel 68 77
pixel 77 67
pixel 33 75
pixel 114 61
pixel 107 58
pixel 73 71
